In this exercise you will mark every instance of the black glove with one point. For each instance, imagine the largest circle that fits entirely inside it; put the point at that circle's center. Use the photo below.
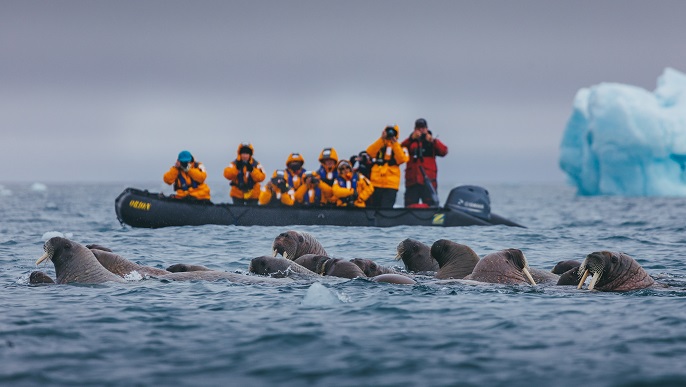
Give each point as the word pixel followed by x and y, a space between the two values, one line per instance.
pixel 248 167
pixel 239 164
pixel 354 196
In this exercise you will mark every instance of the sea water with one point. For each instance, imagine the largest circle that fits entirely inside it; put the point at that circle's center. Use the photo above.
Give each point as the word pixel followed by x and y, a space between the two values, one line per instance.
pixel 347 332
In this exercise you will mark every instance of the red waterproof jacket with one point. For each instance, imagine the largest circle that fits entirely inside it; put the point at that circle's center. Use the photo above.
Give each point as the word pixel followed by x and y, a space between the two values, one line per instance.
pixel 422 153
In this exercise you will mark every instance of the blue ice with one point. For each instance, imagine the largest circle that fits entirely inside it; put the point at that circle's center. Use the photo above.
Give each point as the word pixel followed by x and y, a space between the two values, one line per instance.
pixel 624 140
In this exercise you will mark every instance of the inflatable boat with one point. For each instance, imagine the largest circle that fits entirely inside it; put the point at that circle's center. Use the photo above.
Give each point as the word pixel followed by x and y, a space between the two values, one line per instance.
pixel 465 206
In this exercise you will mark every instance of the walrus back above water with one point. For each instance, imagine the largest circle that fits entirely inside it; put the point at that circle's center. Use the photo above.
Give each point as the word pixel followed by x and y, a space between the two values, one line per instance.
pixel 121 266
pixel 455 260
pixel 277 267
pixel 75 263
pixel 335 267
pixel 507 266
pixel 293 244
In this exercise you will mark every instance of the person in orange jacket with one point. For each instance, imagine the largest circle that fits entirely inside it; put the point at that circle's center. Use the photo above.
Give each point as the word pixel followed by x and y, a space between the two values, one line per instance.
pixel 314 191
pixel 245 174
pixel 387 155
pixel 351 188
pixel 328 158
pixel 188 177
pixel 294 170
pixel 277 191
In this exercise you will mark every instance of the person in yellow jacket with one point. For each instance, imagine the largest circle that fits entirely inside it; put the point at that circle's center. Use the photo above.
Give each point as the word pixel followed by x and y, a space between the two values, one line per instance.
pixel 351 188
pixel 314 191
pixel 327 172
pixel 188 177
pixel 387 155
pixel 245 174
pixel 277 191
pixel 294 170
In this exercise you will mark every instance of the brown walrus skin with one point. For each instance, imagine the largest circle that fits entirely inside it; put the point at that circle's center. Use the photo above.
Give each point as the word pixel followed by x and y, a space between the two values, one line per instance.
pixel 416 256
pixel 182 268
pixel 121 266
pixel 613 272
pixel 564 266
pixel 336 267
pixel 278 267
pixel 40 278
pixel 455 260
pixel 507 266
pixel 293 244
pixel 371 268
pixel 74 263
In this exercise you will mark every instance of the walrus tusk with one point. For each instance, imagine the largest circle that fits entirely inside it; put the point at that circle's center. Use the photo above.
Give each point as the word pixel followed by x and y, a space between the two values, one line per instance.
pixel 593 281
pixel 285 254
pixel 583 279
pixel 528 275
pixel 42 258
pixel 274 253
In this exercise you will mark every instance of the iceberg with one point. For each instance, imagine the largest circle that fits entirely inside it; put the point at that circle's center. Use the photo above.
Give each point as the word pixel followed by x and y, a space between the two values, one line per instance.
pixel 625 140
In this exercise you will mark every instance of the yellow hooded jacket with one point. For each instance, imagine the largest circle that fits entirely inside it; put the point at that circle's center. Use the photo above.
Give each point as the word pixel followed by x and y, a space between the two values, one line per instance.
pixel 308 192
pixel 270 190
pixel 189 183
pixel 358 184
pixel 386 168
pixel 249 186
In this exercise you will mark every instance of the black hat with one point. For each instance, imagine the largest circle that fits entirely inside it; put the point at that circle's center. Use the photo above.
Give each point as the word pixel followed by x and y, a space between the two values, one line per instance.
pixel 420 123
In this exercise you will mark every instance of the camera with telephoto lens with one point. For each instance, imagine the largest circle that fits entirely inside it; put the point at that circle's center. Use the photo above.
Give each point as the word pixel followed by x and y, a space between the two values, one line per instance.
pixel 184 165
pixel 279 181
pixel 391 132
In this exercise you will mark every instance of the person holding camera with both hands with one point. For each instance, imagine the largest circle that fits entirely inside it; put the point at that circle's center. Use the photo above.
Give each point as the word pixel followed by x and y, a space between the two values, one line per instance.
pixel 423 149
pixel 188 177
pixel 277 191
pixel 245 174
pixel 314 191
pixel 387 155
pixel 351 188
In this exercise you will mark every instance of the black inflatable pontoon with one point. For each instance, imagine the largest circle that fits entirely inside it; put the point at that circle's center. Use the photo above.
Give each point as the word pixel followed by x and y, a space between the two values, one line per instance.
pixel 466 206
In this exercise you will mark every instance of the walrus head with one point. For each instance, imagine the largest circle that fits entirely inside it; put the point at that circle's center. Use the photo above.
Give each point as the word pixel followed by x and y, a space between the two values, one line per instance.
pixel 287 243
pixel 517 257
pixel 369 267
pixel 53 249
pixel 416 256
pixel 613 271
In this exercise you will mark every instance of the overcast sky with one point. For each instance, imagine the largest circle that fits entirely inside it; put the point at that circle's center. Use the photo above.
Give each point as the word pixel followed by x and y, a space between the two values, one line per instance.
pixel 113 90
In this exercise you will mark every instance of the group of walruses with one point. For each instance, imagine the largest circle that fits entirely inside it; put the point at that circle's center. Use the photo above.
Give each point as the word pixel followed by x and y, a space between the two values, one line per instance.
pixel 303 257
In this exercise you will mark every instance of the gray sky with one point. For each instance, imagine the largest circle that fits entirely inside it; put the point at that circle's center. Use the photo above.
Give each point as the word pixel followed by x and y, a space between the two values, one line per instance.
pixel 113 90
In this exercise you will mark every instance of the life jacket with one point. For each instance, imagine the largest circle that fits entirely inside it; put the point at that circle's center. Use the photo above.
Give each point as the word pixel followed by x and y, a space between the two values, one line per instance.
pixel 241 182
pixel 353 182
pixel 182 184
pixel 383 158
pixel 322 172
pixel 291 174
pixel 317 197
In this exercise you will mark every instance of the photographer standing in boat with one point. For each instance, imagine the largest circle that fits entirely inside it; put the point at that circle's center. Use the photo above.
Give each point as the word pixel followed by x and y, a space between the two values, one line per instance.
pixel 245 174
pixel 188 177
pixel 423 149
pixel 387 155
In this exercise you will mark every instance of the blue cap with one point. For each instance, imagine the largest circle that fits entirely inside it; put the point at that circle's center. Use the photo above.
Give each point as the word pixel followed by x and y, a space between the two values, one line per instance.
pixel 185 156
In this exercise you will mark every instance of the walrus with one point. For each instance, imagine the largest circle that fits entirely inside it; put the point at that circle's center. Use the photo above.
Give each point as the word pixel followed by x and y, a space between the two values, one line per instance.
pixel 564 266
pixel 416 256
pixel 324 265
pixel 507 266
pixel 214 275
pixel 371 268
pixel 278 267
pixel 454 260
pixel 121 266
pixel 612 271
pixel 570 277
pixel 74 263
pixel 394 278
pixel 38 278
pixel 293 244
pixel 182 268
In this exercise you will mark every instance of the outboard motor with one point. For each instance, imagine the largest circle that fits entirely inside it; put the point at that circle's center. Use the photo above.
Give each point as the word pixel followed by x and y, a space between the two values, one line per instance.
pixel 471 199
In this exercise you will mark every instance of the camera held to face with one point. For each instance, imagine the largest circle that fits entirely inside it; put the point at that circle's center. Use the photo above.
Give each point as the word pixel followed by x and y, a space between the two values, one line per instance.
pixel 391 132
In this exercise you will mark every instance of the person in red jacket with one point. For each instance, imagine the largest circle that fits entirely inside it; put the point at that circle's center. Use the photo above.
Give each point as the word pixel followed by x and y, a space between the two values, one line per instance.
pixel 423 149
